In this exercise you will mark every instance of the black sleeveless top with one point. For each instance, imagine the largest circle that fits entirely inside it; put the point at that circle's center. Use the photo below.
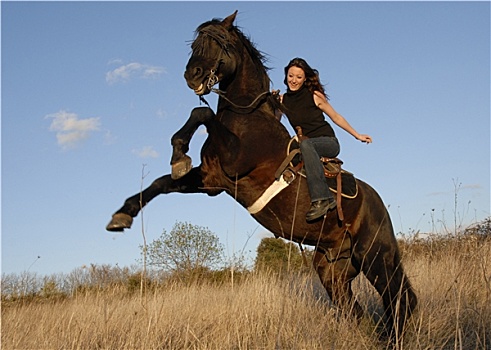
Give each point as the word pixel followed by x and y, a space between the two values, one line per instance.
pixel 302 111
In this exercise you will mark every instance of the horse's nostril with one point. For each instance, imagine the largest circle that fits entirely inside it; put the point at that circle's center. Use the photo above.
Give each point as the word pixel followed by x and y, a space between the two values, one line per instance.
pixel 198 71
pixel 194 73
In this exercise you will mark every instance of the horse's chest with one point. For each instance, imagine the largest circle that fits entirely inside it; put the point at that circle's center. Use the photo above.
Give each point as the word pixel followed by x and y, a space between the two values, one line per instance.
pixel 213 178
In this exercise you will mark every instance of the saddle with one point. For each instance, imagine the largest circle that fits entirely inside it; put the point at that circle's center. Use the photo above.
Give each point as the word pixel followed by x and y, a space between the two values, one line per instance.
pixel 340 182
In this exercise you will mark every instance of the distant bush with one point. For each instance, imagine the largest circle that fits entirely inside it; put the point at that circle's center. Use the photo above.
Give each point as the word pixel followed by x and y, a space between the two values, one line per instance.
pixel 280 256
pixel 481 229
pixel 184 250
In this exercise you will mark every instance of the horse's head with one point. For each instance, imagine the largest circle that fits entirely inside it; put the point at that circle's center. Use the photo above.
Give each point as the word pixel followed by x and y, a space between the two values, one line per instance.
pixel 213 57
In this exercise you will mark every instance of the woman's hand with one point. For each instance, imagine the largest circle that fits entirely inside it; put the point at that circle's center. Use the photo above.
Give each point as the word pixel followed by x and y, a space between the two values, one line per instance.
pixel 364 138
pixel 277 96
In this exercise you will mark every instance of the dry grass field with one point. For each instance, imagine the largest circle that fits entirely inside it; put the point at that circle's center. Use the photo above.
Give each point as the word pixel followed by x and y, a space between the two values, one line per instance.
pixel 452 278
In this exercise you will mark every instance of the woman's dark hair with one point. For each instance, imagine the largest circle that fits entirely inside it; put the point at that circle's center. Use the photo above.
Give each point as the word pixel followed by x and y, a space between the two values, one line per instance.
pixel 312 80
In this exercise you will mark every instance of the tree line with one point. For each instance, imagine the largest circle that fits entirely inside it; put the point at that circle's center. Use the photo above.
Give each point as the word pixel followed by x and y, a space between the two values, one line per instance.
pixel 190 254
pixel 187 254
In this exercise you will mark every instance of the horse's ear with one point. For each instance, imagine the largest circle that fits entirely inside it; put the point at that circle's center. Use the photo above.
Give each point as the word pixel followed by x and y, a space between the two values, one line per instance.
pixel 229 21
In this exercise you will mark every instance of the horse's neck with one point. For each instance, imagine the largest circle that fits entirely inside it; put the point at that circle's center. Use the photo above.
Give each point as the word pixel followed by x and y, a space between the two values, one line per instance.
pixel 245 88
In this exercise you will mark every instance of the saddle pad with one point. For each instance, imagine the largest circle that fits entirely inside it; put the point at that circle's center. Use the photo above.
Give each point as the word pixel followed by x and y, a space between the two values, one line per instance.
pixel 348 184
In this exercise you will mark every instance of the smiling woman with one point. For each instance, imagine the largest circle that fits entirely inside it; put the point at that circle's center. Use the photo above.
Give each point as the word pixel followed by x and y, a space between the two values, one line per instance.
pixel 304 104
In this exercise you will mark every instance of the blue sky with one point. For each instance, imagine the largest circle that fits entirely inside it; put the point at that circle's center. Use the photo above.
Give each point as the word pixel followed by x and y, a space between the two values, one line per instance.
pixel 93 91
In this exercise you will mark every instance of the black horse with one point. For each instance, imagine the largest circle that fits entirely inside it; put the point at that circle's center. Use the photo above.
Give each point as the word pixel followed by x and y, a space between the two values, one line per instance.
pixel 246 144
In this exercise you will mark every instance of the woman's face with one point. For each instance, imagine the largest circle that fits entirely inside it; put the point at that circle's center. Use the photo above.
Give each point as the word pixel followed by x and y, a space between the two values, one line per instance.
pixel 295 78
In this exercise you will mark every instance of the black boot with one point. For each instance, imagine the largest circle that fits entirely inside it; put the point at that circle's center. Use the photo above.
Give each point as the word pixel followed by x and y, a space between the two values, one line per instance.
pixel 320 208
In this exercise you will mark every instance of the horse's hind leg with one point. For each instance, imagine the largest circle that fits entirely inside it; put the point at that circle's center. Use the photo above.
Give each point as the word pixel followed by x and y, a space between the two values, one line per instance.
pixel 384 270
pixel 336 274
pixel 180 162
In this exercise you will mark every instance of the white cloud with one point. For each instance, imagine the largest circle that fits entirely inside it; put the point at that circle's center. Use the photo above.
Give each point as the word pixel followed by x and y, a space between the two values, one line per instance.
pixel 70 129
pixel 146 152
pixel 133 70
pixel 152 71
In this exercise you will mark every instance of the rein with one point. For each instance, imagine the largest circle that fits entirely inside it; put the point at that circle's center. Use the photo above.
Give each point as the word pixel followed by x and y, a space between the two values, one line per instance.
pixel 222 95
pixel 251 105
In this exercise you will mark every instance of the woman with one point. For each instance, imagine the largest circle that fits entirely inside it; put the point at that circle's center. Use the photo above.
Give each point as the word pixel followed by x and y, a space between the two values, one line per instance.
pixel 305 102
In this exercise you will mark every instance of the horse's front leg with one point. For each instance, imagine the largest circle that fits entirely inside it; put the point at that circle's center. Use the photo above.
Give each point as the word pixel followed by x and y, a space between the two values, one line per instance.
pixel 123 218
pixel 180 162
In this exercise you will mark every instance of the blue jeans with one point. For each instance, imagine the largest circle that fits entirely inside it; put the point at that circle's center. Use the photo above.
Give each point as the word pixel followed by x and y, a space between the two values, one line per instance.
pixel 312 149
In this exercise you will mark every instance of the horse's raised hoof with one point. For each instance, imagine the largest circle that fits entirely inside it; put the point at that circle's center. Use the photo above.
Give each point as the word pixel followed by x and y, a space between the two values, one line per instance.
pixel 181 167
pixel 119 222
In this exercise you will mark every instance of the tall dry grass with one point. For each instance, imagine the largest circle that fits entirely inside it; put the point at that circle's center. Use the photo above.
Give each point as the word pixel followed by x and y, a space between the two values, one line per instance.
pixel 451 277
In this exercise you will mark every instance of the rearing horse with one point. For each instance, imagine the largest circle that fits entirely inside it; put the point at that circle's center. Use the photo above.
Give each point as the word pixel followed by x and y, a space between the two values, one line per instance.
pixel 244 148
